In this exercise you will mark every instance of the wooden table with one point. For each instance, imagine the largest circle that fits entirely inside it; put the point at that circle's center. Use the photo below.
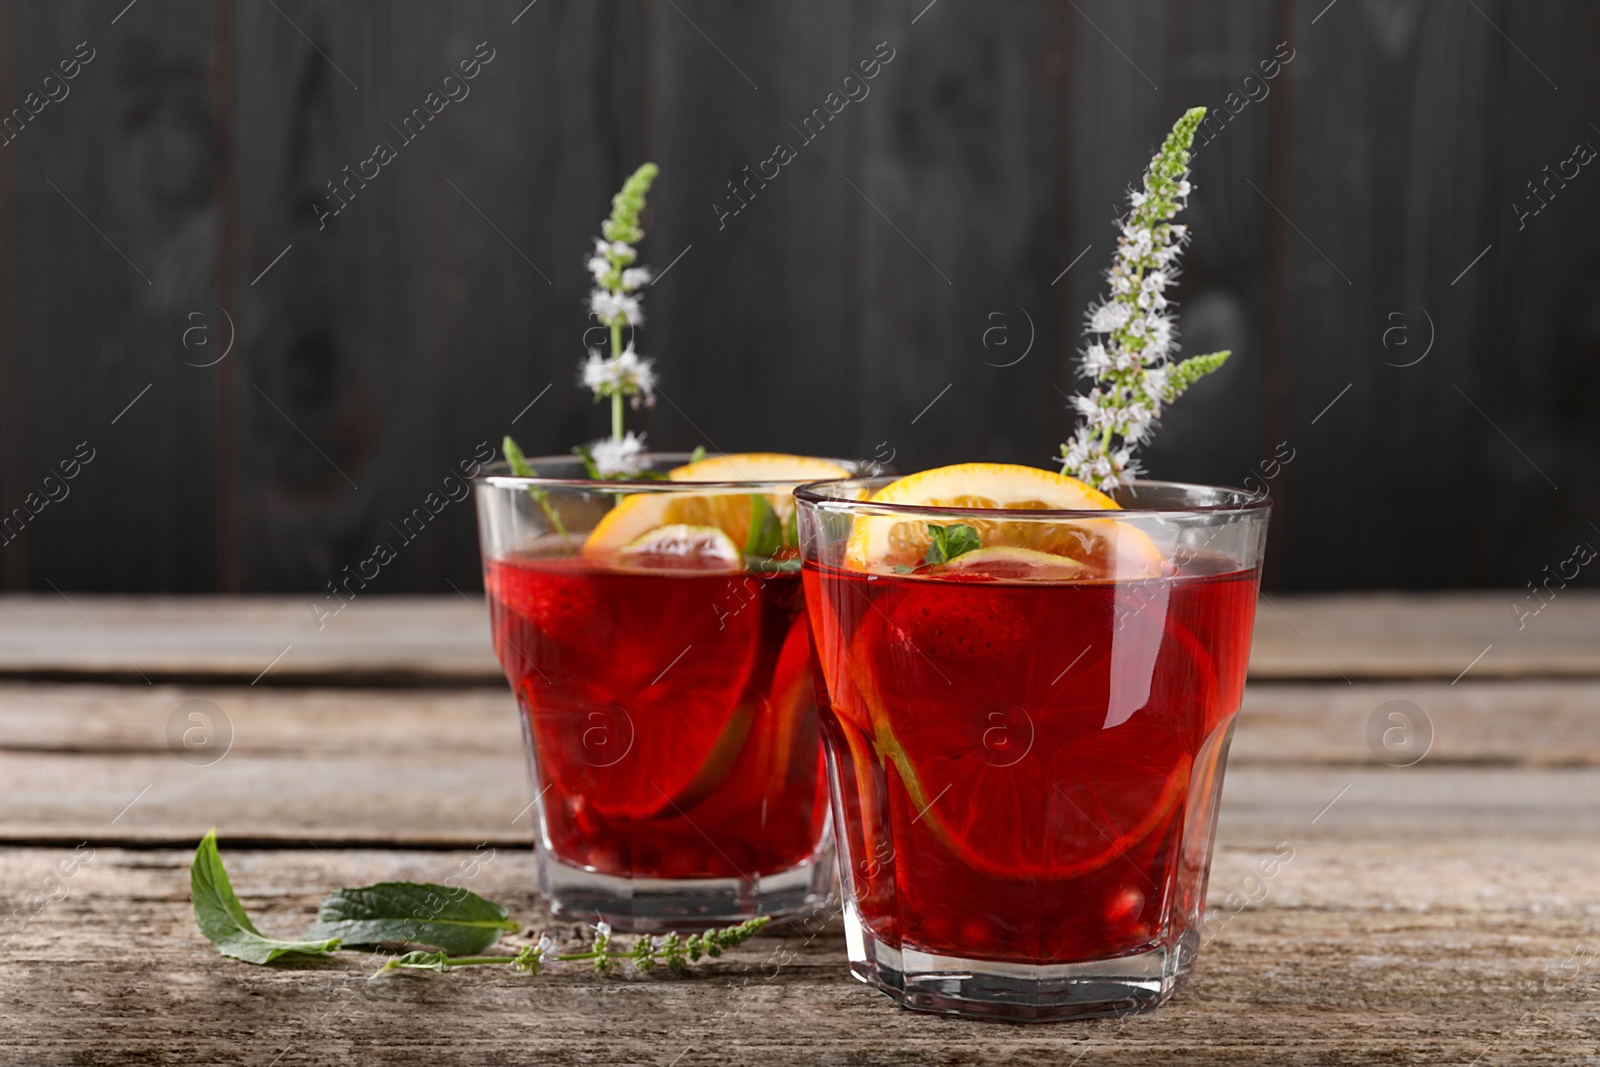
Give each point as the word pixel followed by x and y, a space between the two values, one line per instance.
pixel 1442 912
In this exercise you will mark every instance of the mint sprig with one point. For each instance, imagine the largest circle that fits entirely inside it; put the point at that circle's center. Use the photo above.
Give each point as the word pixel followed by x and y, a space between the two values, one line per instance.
pixel 450 918
pixel 457 922
pixel 222 918
pixel 950 542
pixel 671 950
pixel 1132 359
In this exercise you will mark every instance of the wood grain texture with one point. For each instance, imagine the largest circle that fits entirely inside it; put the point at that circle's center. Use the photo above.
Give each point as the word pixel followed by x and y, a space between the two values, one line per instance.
pixel 389 341
pixel 442 767
pixel 1354 956
pixel 387 640
pixel 117 237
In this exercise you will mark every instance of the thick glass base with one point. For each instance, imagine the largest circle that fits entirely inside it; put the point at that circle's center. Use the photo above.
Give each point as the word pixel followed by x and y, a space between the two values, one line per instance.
pixel 656 905
pixel 1018 992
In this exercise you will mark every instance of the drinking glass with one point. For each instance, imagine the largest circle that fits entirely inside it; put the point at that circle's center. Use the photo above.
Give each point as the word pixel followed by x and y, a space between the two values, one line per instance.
pixel 666 697
pixel 1025 771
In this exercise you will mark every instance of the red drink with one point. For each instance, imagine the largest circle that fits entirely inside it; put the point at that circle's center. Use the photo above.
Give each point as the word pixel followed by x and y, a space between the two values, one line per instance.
pixel 670 714
pixel 1027 771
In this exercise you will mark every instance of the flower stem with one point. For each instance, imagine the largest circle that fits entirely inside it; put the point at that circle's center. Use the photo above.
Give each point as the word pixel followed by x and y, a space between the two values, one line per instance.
pixel 616 398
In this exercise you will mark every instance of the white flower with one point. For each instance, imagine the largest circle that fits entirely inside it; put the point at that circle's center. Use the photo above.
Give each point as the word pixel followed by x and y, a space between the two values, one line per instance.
pixel 598 374
pixel 612 456
pixel 548 950
pixel 1108 317
pixel 1095 361
pixel 602 929
pixel 599 266
pixel 1160 337
pixel 1133 381
pixel 634 277
pixel 628 374
pixel 616 308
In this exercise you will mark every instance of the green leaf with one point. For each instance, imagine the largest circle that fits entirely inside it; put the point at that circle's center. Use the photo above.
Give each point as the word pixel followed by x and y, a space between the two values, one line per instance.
pixel 514 457
pixel 453 919
pixel 698 454
pixel 950 542
pixel 589 468
pixel 766 532
pixel 419 961
pixel 221 917
pixel 522 469
pixel 791 530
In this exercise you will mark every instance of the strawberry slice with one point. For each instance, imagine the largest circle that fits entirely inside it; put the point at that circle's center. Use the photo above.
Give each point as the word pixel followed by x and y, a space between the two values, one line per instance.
pixel 976 625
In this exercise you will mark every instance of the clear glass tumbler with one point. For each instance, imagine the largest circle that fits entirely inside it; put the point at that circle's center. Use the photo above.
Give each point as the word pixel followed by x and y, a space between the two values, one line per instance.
pixel 1026 767
pixel 653 634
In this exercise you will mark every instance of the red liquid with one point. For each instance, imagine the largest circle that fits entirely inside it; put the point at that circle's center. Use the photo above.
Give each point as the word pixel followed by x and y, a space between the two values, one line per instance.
pixel 672 716
pixel 1028 771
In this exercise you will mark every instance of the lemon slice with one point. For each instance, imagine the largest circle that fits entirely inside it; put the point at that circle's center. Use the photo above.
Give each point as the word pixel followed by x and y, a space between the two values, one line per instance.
pixel 1104 547
pixel 759 467
pixel 1004 562
pixel 639 513
pixel 683 547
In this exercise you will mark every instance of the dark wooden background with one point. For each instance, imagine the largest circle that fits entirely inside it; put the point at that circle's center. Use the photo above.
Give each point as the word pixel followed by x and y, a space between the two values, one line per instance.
pixel 1375 186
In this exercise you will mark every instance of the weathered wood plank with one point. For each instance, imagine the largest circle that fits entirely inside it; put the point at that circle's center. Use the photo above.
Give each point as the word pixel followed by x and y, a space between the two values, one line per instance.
pixel 1424 122
pixel 439 767
pixel 1503 723
pixel 1343 961
pixel 368 637
pixel 385 639
pixel 421 309
pixel 118 235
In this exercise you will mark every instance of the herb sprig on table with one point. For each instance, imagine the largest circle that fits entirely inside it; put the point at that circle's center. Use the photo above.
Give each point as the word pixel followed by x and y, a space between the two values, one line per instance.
pixel 456 922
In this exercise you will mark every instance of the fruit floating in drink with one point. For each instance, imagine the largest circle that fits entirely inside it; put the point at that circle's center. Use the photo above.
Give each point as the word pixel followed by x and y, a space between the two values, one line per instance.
pixel 662 665
pixel 1029 693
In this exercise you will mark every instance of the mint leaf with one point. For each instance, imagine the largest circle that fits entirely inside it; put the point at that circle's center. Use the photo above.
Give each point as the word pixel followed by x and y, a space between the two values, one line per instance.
pixel 1190 371
pixel 522 469
pixel 221 917
pixel 589 467
pixel 698 454
pixel 423 961
pixel 950 542
pixel 766 532
pixel 453 919
pixel 516 460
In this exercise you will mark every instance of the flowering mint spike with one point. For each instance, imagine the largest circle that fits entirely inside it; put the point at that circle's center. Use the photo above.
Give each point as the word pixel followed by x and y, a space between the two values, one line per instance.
pixel 616 302
pixel 1130 359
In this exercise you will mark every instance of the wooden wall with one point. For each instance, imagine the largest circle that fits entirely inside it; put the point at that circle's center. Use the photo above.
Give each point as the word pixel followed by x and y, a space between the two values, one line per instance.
pixel 173 201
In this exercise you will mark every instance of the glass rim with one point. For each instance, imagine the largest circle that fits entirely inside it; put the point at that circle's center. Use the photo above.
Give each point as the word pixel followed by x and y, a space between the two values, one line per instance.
pixel 496 475
pixel 1246 503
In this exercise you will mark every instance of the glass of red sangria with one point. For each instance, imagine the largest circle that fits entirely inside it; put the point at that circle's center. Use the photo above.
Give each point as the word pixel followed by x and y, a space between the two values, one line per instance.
pixel 1027 692
pixel 652 631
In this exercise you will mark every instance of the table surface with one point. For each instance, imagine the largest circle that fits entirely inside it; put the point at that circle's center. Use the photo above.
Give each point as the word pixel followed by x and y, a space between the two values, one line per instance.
pixel 1439 913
